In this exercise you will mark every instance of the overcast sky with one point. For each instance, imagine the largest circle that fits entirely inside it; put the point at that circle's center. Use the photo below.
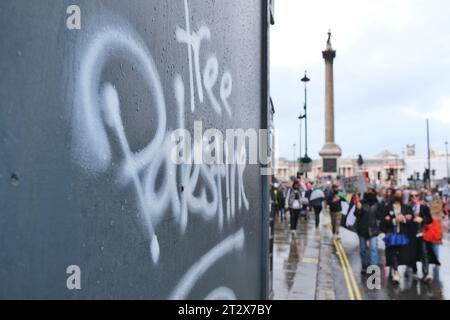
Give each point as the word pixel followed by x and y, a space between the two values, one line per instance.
pixel 392 71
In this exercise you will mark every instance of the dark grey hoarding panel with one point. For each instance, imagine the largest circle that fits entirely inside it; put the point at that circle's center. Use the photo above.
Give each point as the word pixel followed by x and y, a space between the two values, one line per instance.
pixel 85 177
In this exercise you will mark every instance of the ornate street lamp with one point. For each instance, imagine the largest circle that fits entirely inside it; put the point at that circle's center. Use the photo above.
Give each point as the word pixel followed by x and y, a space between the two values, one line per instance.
pixel 306 160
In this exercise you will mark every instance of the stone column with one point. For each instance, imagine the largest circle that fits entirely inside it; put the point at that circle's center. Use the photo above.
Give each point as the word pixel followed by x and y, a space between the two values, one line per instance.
pixel 329 97
pixel 330 151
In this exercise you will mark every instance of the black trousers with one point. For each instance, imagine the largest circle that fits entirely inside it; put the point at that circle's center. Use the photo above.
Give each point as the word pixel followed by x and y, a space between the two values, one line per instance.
pixel 294 218
pixel 424 257
pixel 317 211
pixel 392 255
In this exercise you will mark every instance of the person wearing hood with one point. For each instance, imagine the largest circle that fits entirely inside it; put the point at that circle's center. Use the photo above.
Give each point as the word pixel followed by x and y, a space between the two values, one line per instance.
pixel 369 214
pixel 316 199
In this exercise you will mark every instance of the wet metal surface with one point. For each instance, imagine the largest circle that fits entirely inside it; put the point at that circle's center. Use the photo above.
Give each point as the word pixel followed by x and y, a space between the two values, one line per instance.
pixel 69 192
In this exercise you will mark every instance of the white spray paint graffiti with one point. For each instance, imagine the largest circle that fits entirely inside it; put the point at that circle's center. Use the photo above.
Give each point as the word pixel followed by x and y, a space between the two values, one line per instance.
pixel 233 242
pixel 99 109
pixel 210 72
pixel 221 293
pixel 92 146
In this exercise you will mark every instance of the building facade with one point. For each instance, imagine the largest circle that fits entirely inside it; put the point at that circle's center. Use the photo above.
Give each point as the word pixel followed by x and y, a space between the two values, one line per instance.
pixel 415 166
pixel 384 169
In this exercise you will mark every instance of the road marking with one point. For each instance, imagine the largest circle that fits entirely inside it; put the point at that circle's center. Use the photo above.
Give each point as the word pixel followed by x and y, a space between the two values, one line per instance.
pixel 350 271
pixel 352 286
pixel 349 289
pixel 310 260
pixel 344 268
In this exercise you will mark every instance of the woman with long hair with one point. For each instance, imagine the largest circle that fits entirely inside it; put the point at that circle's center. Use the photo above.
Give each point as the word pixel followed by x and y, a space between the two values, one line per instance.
pixel 437 213
pixel 421 248
pixel 396 224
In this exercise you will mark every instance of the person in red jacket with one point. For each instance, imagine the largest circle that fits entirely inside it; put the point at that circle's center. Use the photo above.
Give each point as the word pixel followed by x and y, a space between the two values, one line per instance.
pixel 422 249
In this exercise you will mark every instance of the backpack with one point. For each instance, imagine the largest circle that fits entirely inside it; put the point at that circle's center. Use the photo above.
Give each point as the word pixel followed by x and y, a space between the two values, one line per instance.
pixel 432 232
pixel 296 202
pixel 304 199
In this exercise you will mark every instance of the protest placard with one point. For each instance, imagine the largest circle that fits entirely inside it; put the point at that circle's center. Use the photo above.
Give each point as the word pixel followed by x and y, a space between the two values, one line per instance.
pixel 354 184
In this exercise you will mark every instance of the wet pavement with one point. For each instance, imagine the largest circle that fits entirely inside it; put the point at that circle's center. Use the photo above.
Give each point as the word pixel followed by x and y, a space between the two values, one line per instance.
pixel 296 256
pixel 296 264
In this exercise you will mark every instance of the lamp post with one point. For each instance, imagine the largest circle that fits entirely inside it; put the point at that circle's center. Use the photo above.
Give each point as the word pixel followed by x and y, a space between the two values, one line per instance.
pixel 429 155
pixel 300 137
pixel 306 159
pixel 446 155
pixel 295 161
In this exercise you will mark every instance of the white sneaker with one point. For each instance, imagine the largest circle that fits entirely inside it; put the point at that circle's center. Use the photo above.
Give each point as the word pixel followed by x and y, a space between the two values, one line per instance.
pixel 428 278
pixel 416 276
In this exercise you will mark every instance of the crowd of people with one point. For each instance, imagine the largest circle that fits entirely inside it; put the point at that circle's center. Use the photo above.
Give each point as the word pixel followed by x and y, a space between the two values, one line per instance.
pixel 410 221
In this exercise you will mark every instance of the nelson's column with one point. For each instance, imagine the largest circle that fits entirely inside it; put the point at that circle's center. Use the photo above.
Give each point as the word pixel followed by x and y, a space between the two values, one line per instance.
pixel 330 152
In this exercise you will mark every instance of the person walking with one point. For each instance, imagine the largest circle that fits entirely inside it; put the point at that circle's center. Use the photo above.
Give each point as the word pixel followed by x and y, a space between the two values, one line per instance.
pixel 446 191
pixel 397 217
pixel 422 250
pixel 406 194
pixel 294 205
pixel 437 214
pixel 334 202
pixel 309 190
pixel 368 216
pixel 385 198
pixel 304 201
pixel 274 199
pixel 381 195
pixel 281 202
pixel 316 199
pixel 446 197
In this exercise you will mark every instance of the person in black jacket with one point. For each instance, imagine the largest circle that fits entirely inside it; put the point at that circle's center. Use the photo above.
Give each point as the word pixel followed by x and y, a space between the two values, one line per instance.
pixel 316 199
pixel 308 192
pixel 334 203
pixel 274 199
pixel 385 198
pixel 368 216
pixel 396 224
pixel 281 202
pixel 294 201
